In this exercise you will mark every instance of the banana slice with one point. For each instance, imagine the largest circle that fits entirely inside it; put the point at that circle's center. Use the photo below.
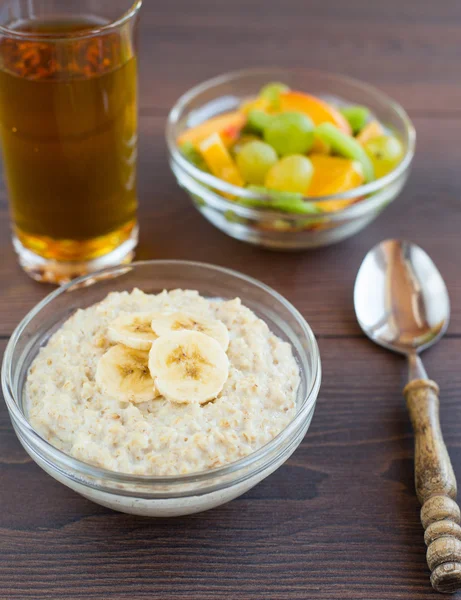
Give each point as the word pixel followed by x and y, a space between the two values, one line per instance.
pixel 163 324
pixel 123 373
pixel 133 330
pixel 188 366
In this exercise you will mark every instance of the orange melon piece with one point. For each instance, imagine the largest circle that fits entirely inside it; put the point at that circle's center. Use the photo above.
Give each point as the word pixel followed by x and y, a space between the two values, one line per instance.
pixel 320 147
pixel 219 160
pixel 372 130
pixel 228 126
pixel 333 175
pixel 318 110
pixel 255 104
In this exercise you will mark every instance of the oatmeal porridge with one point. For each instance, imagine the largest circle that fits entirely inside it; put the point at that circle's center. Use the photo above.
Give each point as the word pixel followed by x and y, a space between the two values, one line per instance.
pixel 164 384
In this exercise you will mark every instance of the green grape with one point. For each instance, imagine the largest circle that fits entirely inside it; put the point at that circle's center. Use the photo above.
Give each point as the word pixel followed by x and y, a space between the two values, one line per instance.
pixel 284 201
pixel 189 152
pixel 385 152
pixel 290 133
pixel 345 145
pixel 254 161
pixel 242 141
pixel 357 117
pixel 290 174
pixel 257 121
pixel 271 92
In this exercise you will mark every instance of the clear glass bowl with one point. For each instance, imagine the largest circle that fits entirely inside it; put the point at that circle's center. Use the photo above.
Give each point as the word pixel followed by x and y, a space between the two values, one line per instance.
pixel 160 496
pixel 276 229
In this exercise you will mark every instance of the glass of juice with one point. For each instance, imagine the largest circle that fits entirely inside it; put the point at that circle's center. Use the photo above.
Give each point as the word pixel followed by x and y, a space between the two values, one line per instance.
pixel 68 132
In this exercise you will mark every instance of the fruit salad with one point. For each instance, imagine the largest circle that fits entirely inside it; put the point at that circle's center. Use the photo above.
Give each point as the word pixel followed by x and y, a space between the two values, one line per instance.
pixel 292 148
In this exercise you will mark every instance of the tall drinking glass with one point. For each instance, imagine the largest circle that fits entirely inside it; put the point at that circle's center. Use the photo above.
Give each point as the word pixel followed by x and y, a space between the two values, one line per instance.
pixel 68 131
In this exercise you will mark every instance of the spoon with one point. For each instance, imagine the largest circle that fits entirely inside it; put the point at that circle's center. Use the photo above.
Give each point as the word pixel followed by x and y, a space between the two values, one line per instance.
pixel 402 303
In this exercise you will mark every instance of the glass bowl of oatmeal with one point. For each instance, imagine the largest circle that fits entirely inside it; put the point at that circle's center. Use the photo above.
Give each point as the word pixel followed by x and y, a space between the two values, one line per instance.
pixel 161 388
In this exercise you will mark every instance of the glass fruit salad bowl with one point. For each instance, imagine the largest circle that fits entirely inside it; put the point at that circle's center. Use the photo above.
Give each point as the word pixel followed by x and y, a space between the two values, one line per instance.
pixel 288 158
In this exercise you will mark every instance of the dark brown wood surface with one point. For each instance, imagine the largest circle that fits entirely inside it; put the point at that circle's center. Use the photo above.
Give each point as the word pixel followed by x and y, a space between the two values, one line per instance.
pixel 340 520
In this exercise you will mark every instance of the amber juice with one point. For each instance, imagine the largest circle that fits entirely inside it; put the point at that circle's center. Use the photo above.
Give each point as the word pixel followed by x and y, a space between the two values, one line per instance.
pixel 68 128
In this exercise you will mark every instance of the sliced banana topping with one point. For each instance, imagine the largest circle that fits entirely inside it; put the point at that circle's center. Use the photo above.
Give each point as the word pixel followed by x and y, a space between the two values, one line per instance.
pixel 163 324
pixel 123 373
pixel 188 366
pixel 133 330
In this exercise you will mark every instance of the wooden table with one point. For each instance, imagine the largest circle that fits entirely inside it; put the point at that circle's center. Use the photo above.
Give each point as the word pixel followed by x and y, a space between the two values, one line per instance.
pixel 340 519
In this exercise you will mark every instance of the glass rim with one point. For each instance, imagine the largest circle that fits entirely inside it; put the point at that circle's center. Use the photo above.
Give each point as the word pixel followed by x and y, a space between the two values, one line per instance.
pixel 218 184
pixel 114 477
pixel 89 33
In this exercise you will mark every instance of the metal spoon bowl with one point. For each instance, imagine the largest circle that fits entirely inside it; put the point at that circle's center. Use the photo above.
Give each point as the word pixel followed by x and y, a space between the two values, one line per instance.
pixel 400 298
pixel 402 303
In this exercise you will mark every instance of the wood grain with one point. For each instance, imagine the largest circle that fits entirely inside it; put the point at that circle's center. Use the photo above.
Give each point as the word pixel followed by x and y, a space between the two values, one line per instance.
pixel 409 49
pixel 318 282
pixel 339 521
pixel 318 528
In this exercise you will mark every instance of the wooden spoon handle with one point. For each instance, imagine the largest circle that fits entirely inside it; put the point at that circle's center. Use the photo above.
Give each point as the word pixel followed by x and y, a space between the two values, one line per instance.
pixel 435 486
